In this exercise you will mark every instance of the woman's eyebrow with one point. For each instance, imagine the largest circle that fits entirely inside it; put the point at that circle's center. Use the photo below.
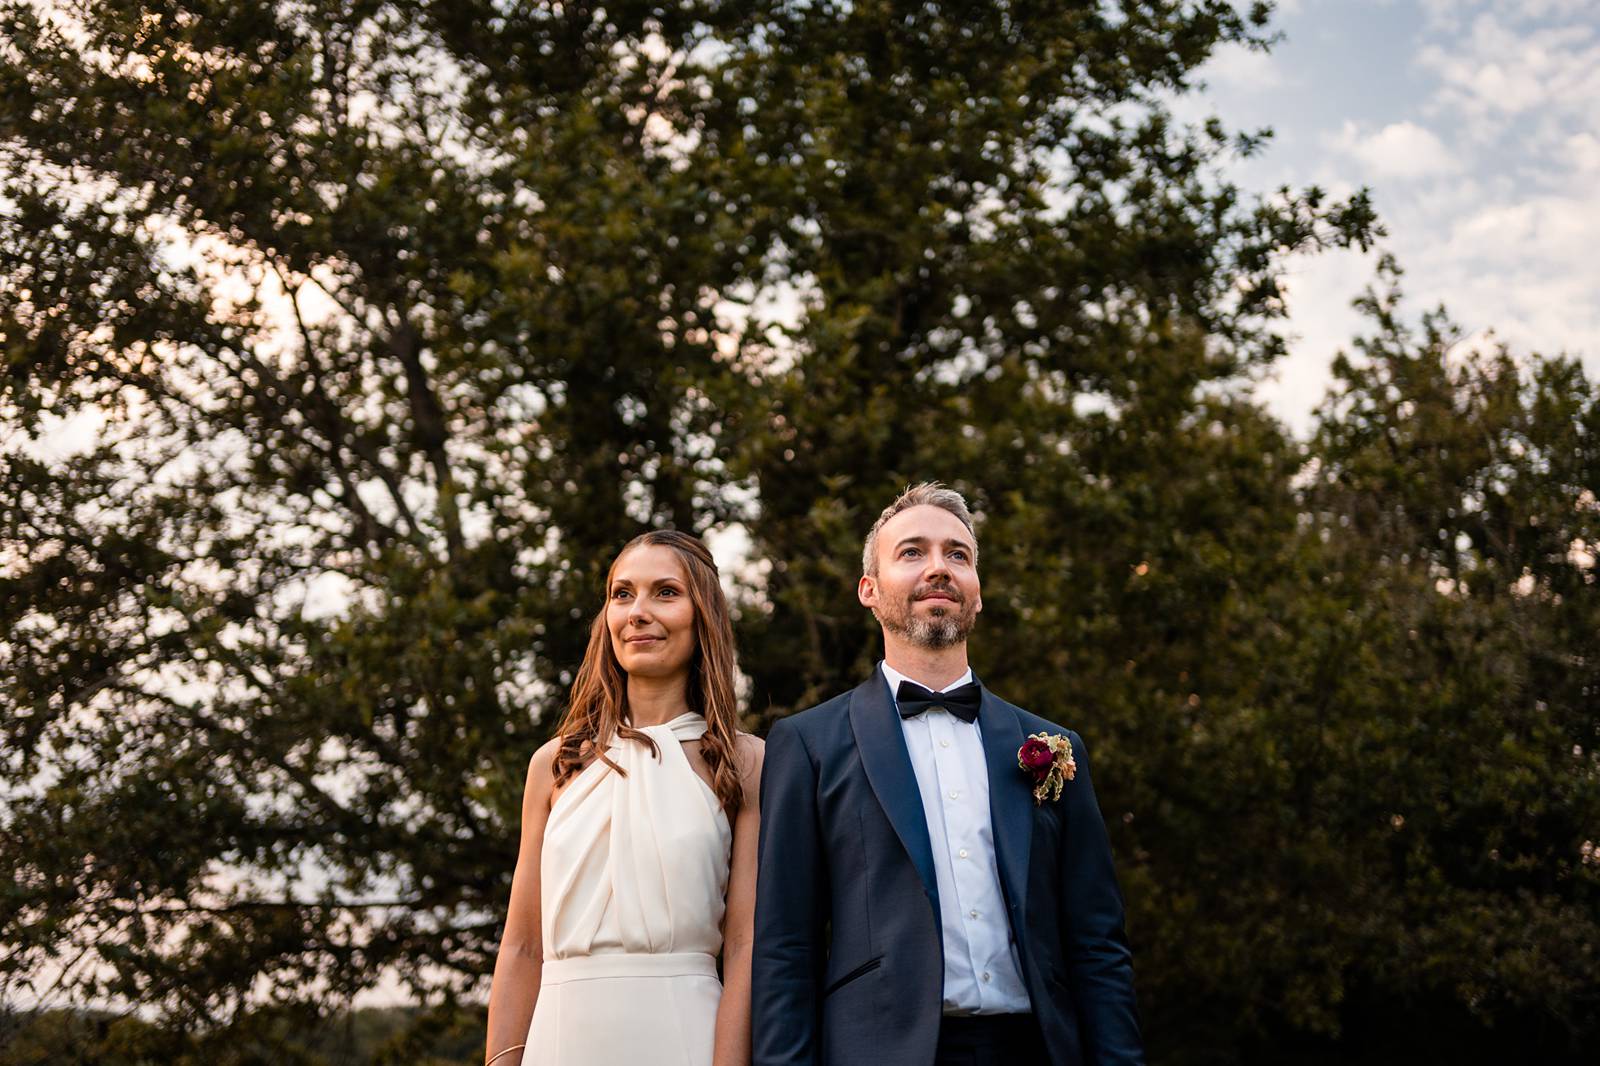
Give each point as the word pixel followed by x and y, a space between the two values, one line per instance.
pixel 655 582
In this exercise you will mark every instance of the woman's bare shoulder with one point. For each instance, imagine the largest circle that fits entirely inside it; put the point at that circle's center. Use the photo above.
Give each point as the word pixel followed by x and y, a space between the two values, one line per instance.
pixel 749 748
pixel 542 768
pixel 748 752
pixel 544 759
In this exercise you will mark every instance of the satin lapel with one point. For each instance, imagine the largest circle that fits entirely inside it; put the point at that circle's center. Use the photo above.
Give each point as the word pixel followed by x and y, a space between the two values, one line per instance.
pixel 1010 798
pixel 882 747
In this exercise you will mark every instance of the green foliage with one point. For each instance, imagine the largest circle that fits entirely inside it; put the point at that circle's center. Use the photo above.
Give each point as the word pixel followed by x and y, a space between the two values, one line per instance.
pixel 266 1038
pixel 386 323
pixel 1456 498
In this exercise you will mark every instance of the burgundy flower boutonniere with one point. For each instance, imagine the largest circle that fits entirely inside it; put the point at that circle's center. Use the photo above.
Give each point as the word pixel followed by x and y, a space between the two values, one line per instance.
pixel 1047 759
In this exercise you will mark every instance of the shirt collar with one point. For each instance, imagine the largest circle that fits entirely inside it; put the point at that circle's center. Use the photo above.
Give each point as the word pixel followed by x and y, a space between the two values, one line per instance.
pixel 894 677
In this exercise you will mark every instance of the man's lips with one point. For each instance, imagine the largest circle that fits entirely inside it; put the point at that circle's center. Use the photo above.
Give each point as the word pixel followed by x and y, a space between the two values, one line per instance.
pixel 945 596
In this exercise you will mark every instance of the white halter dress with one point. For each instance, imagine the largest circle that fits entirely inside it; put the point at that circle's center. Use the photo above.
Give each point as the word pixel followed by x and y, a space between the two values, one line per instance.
pixel 633 884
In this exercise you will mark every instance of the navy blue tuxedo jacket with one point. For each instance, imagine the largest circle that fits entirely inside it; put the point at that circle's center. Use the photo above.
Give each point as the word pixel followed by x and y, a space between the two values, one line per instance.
pixel 848 965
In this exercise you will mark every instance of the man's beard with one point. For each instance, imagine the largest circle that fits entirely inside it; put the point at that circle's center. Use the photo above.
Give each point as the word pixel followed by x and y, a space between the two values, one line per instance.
pixel 945 626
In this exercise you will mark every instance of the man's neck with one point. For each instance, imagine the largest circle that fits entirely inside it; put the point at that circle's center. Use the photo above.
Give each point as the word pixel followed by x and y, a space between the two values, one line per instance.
pixel 932 668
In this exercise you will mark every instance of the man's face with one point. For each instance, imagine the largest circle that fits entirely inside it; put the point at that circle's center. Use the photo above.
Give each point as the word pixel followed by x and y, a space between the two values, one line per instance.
pixel 926 590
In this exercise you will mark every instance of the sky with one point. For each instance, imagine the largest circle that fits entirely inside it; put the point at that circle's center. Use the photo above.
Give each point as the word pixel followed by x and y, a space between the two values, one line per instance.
pixel 1476 126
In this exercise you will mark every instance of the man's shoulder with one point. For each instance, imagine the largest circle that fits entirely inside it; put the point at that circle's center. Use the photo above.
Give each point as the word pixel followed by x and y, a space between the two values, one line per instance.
pixel 814 722
pixel 1033 723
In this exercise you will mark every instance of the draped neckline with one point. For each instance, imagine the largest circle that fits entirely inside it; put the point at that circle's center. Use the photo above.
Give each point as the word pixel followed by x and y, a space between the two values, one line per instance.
pixel 687 726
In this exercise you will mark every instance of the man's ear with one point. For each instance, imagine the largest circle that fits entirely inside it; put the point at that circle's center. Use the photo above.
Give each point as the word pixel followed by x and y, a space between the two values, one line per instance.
pixel 867 591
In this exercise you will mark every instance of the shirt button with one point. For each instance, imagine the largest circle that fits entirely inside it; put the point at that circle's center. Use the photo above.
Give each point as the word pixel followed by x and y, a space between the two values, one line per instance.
pixel 954 794
pixel 944 743
pixel 986 977
pixel 962 853
pixel 975 914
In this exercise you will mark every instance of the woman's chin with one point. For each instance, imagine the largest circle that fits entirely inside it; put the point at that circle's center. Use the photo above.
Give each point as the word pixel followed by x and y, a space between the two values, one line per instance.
pixel 654 668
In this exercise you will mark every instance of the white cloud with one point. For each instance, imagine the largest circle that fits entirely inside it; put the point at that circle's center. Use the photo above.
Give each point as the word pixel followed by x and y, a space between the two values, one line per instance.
pixel 1401 150
pixel 1502 70
pixel 1514 250
pixel 1450 14
pixel 1476 127
pixel 1583 149
pixel 1526 269
pixel 1319 291
pixel 1243 69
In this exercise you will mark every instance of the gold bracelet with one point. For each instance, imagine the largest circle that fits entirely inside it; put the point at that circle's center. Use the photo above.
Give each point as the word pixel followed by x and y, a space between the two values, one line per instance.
pixel 507 1051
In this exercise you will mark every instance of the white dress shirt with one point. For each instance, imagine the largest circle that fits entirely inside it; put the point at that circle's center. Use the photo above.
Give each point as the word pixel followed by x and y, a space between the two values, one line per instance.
pixel 981 971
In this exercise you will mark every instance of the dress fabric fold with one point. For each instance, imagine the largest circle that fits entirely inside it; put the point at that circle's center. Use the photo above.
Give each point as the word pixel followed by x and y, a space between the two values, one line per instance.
pixel 633 883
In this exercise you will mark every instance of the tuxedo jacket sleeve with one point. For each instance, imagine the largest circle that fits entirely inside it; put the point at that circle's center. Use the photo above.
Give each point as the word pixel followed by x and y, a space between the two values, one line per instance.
pixel 1094 945
pixel 791 906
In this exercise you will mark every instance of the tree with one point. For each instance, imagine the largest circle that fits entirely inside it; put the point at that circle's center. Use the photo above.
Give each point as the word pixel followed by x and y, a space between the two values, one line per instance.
pixel 1356 699
pixel 1455 493
pixel 270 1038
pixel 996 225
pixel 393 320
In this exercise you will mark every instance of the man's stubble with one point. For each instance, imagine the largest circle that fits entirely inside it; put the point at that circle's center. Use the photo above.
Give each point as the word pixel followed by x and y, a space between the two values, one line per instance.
pixel 944 627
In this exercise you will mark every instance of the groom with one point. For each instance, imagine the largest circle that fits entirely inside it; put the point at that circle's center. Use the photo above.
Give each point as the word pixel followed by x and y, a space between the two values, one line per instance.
pixel 916 903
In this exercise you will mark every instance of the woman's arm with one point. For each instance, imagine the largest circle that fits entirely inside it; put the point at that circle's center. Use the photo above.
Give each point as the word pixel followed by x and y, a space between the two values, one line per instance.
pixel 516 968
pixel 738 922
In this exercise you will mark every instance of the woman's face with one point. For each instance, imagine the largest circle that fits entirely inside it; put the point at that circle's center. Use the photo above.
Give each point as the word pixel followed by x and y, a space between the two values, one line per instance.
pixel 649 614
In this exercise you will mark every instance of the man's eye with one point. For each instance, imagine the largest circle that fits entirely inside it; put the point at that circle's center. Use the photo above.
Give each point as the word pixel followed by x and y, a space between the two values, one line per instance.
pixel 958 554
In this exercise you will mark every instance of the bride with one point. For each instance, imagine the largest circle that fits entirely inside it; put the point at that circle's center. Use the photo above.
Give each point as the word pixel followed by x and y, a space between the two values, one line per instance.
pixel 637 863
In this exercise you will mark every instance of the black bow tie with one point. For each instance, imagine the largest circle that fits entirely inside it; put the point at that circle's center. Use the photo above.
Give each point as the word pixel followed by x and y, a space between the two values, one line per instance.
pixel 961 702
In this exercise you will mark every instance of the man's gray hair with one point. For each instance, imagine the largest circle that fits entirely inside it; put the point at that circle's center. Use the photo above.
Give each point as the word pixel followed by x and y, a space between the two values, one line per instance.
pixel 929 493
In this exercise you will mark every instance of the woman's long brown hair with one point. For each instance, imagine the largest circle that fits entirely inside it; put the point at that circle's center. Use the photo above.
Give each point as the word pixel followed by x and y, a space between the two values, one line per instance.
pixel 598 709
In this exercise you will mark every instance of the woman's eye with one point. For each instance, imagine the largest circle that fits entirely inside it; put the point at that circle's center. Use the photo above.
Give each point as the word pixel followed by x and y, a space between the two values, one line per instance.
pixel 620 594
pixel 669 592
